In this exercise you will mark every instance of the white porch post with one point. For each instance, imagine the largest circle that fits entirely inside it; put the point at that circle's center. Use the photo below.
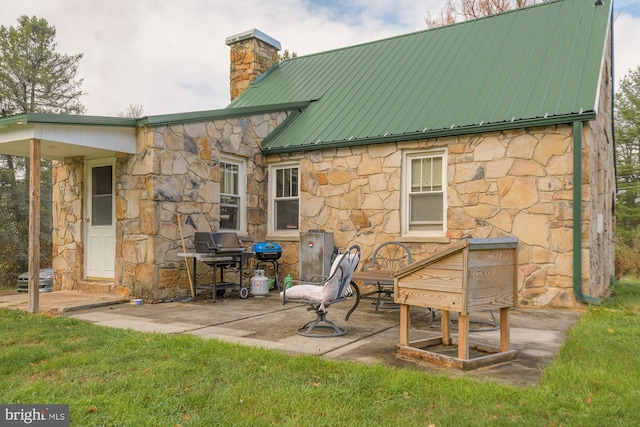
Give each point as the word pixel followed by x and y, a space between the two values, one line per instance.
pixel 34 226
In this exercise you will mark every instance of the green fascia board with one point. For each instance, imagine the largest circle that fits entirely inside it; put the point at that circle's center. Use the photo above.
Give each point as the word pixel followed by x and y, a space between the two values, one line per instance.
pixel 199 116
pixel 157 120
pixel 268 148
pixel 526 65
pixel 67 119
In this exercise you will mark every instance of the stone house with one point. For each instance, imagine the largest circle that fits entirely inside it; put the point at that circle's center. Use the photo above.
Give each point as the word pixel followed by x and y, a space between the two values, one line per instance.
pixel 487 128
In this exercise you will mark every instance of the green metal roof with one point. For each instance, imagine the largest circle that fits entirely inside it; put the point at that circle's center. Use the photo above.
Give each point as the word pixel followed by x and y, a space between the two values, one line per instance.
pixel 199 116
pixel 67 119
pixel 157 120
pixel 526 67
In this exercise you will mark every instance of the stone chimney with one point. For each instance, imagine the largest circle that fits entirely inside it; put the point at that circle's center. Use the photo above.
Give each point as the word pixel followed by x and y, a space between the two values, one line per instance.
pixel 252 53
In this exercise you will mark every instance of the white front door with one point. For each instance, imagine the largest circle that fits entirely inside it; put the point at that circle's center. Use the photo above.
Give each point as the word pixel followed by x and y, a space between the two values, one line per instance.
pixel 100 213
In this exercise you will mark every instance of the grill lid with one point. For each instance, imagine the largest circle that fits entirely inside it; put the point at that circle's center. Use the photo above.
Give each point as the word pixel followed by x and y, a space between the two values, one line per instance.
pixel 206 242
pixel 264 247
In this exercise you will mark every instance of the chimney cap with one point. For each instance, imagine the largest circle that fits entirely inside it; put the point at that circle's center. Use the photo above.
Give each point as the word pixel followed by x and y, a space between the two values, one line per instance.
pixel 254 33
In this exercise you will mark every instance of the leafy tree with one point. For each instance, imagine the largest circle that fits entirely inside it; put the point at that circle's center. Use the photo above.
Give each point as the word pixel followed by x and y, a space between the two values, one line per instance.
pixel 472 9
pixel 14 216
pixel 627 134
pixel 33 78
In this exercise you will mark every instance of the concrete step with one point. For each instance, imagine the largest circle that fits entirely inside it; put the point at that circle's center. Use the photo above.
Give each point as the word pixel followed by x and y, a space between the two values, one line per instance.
pixel 96 286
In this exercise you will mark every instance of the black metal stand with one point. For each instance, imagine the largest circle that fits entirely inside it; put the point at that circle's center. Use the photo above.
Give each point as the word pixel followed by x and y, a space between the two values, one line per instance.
pixel 221 263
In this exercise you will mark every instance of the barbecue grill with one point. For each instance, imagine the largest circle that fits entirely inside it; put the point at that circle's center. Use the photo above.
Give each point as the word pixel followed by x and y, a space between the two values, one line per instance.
pixel 268 252
pixel 222 251
pixel 217 243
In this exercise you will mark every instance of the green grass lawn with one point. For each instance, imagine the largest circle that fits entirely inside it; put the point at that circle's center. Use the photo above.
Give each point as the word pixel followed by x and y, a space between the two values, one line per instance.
pixel 113 377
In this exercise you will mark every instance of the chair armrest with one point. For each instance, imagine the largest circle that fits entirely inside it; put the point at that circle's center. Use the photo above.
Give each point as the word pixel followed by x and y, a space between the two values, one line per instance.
pixel 355 305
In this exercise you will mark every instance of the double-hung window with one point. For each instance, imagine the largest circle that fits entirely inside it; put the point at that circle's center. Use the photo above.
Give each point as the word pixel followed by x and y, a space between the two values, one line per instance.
pixel 284 198
pixel 232 185
pixel 424 201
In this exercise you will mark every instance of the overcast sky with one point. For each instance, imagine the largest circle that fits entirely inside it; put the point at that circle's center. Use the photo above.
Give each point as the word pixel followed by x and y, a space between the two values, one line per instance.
pixel 170 55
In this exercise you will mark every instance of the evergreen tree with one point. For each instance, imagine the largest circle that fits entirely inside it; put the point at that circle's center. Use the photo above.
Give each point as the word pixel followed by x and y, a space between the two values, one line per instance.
pixel 33 78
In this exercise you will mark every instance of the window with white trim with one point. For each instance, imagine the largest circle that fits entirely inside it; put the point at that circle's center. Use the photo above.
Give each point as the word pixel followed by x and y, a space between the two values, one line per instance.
pixel 232 185
pixel 284 198
pixel 424 196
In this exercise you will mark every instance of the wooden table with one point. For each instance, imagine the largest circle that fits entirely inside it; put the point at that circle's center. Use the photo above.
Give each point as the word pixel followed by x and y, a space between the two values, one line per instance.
pixel 380 279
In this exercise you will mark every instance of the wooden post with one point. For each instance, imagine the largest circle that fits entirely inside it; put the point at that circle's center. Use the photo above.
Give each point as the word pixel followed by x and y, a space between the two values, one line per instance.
pixel 404 324
pixel 463 336
pixel 504 329
pixel 445 317
pixel 34 226
pixel 186 260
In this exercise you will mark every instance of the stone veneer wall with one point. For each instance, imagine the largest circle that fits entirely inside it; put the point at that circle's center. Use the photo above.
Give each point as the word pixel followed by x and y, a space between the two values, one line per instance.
pixel 599 170
pixel 513 183
pixel 177 172
pixel 67 210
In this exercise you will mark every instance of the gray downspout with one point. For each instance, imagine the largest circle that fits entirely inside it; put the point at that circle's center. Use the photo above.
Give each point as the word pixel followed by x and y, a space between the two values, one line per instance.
pixel 577 217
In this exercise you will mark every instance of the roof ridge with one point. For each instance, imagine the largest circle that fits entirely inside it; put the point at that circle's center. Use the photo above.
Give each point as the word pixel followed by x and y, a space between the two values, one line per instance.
pixel 417 32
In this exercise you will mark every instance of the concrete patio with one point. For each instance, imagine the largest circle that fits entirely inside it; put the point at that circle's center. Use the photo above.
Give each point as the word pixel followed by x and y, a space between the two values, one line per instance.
pixel 536 334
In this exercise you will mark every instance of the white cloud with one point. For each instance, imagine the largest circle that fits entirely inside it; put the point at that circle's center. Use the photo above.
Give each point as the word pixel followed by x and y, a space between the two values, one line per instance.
pixel 170 56
pixel 626 40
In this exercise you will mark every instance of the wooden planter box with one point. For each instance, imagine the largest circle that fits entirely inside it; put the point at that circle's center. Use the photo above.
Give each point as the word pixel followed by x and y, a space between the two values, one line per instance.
pixel 469 276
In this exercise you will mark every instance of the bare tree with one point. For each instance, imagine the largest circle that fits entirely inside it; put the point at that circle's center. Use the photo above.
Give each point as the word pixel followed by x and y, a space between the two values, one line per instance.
pixel 134 111
pixel 464 10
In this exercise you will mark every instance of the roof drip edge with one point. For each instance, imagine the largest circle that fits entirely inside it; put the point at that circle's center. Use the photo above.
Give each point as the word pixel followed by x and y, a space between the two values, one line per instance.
pixel 436 133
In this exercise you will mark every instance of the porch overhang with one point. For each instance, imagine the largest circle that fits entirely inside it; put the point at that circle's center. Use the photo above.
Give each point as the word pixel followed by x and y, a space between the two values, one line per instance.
pixel 64 136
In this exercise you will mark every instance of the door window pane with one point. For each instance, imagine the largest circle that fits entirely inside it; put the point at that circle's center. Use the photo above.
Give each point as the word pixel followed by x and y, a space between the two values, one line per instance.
pixel 101 195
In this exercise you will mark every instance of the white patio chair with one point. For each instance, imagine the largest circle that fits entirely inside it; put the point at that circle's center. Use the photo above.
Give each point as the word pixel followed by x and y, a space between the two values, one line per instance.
pixel 323 292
